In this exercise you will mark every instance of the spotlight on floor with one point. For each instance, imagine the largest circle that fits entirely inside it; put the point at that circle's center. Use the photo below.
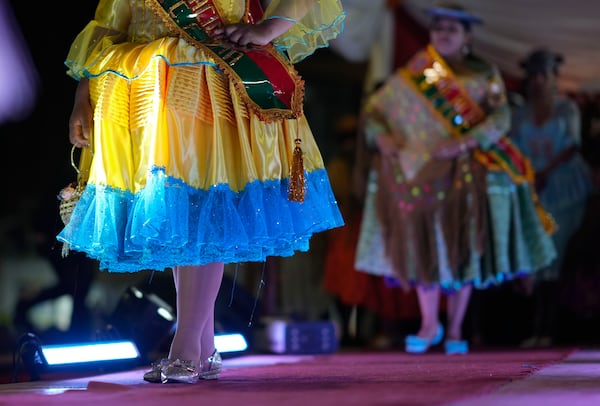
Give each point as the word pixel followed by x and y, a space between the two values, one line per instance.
pixel 91 354
pixel 38 358
pixel 228 343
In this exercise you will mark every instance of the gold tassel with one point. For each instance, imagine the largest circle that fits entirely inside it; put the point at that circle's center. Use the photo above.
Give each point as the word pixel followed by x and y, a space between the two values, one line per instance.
pixel 297 181
pixel 548 221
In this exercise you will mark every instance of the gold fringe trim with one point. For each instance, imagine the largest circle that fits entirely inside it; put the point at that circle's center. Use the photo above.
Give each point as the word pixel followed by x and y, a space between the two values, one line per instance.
pixel 548 222
pixel 499 164
pixel 408 77
pixel 267 115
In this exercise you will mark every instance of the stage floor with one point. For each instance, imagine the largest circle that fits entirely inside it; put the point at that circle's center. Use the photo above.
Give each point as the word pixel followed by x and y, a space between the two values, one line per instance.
pixel 562 376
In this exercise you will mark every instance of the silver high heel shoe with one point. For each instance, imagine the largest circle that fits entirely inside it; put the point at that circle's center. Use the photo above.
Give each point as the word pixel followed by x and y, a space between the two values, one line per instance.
pixel 172 371
pixel 154 374
pixel 211 368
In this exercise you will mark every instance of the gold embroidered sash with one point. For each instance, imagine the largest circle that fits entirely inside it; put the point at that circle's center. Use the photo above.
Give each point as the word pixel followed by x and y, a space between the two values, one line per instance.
pixel 269 84
pixel 445 95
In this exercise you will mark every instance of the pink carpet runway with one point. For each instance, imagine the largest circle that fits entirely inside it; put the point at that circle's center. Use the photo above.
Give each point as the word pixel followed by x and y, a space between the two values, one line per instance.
pixel 548 377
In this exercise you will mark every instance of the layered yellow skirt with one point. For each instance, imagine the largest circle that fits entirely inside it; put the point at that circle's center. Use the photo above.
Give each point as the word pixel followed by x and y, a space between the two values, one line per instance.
pixel 183 172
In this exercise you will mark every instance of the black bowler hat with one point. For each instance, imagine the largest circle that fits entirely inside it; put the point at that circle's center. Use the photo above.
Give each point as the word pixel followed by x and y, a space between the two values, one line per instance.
pixel 452 10
pixel 541 60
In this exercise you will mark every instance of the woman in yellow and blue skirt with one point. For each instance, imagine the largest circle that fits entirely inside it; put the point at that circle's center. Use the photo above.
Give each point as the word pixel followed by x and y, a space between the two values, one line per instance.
pixel 190 114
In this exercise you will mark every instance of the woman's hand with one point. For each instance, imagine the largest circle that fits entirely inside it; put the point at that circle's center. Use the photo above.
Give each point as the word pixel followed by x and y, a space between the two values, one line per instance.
pixel 388 145
pixel 450 148
pixel 81 119
pixel 262 33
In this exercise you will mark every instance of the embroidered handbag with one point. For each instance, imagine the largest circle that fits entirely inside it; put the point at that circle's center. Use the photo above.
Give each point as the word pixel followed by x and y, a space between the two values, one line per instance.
pixel 70 194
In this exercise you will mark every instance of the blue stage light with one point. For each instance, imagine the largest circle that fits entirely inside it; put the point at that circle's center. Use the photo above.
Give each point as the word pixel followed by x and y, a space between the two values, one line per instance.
pixel 230 343
pixel 69 354
pixel 121 350
pixel 98 355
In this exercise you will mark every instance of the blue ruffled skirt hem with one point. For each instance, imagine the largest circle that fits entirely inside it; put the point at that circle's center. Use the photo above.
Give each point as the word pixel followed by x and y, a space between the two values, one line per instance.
pixel 170 223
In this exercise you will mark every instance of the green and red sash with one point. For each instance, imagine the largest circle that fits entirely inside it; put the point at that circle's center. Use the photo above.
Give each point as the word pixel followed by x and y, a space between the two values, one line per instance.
pixel 443 93
pixel 268 83
pixel 458 112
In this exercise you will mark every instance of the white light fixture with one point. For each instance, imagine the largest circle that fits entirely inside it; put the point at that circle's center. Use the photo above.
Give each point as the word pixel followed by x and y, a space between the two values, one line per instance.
pixel 89 353
pixel 230 343
pixel 69 354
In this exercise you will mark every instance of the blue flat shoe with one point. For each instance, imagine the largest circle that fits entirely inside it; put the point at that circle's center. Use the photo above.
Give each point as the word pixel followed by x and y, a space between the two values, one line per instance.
pixel 456 347
pixel 417 345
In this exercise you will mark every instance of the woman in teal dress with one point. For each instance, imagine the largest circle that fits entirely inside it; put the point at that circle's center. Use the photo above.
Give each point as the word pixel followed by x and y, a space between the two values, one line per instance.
pixel 450 202
pixel 547 128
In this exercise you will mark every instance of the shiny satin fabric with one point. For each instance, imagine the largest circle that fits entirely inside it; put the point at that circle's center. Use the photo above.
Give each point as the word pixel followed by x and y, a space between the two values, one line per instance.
pixel 183 172
pixel 260 150
pixel 116 21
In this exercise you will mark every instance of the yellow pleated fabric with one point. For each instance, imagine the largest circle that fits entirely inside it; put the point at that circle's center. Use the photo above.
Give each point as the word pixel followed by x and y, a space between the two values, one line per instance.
pixel 213 124
pixel 183 172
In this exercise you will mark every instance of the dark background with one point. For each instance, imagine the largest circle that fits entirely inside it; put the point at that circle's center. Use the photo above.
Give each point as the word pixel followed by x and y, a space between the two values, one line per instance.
pixel 36 161
pixel 36 149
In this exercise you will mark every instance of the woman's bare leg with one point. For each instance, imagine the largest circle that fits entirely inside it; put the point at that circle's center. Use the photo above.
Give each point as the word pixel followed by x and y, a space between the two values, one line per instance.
pixel 429 303
pixel 197 288
pixel 457 307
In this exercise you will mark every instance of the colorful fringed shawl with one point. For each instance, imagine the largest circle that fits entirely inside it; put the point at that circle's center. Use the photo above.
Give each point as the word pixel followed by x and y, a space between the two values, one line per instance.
pixel 425 199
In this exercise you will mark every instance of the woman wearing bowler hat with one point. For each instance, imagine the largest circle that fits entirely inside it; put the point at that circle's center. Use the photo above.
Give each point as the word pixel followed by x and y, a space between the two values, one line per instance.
pixel 450 203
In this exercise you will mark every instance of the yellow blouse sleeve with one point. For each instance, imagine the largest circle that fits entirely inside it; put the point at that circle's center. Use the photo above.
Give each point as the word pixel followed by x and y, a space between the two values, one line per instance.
pixel 109 26
pixel 316 22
